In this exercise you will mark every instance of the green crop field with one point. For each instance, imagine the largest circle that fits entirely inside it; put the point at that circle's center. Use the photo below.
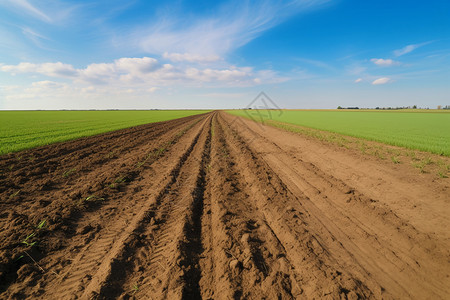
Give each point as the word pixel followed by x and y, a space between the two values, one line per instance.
pixel 21 130
pixel 414 129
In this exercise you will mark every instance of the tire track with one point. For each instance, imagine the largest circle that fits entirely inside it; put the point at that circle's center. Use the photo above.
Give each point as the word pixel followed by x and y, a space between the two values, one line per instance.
pixel 319 273
pixel 87 181
pixel 377 250
pixel 68 226
pixel 164 258
pixel 86 274
pixel 255 263
pixel 374 244
pixel 91 151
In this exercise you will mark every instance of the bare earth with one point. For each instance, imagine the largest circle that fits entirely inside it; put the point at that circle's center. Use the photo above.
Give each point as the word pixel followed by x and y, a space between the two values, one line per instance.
pixel 218 207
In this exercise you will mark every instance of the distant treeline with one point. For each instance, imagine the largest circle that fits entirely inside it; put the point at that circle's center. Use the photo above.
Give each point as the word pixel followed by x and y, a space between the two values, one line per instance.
pixel 395 108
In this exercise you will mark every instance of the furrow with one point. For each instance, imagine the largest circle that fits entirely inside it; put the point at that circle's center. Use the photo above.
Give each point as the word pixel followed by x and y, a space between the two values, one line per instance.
pixel 242 258
pixel 116 235
pixel 180 265
pixel 319 273
pixel 155 262
pixel 374 244
pixel 101 149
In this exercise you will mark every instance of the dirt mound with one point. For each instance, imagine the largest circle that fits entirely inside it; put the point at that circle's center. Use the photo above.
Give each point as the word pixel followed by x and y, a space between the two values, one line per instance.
pixel 211 206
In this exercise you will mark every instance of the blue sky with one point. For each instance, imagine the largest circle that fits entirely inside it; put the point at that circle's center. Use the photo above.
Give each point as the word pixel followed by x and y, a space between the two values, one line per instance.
pixel 103 54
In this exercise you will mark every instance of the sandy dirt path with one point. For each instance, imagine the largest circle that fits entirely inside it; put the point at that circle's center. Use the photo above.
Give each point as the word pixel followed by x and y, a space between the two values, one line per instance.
pixel 218 207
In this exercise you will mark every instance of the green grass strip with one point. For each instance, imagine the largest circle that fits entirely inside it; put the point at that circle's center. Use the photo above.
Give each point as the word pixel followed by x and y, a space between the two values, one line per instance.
pixel 421 130
pixel 20 130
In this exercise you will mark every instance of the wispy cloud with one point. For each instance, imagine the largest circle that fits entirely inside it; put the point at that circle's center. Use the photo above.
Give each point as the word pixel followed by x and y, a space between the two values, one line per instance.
pixel 382 80
pixel 409 48
pixel 384 62
pixel 30 9
pixel 356 69
pixel 231 26
pixel 178 57
pixel 315 63
pixel 358 80
pixel 48 11
pixel 38 39
pixel 33 34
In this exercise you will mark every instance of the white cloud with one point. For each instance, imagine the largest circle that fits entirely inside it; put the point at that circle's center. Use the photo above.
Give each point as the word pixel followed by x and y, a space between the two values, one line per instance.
pixel 137 65
pixel 178 57
pixel 49 69
pixel 358 80
pixel 47 84
pixel 382 80
pixel 409 48
pixel 10 88
pixel 147 71
pixel 223 95
pixel 384 62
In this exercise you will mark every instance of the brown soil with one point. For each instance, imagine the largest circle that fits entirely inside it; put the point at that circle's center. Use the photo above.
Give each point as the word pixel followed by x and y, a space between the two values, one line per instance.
pixel 218 207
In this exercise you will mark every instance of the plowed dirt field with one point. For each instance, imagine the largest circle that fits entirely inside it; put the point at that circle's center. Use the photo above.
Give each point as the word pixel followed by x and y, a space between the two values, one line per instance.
pixel 218 207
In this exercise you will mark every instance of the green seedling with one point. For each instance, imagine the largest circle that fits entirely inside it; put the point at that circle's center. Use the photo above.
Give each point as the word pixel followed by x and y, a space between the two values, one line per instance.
pixel 135 289
pixel 395 160
pixel 19 258
pixel 140 164
pixel 414 156
pixel 154 154
pixel 427 161
pixel 161 150
pixel 362 148
pixel 111 154
pixel 13 195
pixel 181 133
pixel 419 166
pixel 442 164
pixel 41 224
pixel 27 242
pixel 422 164
pixel 92 198
pixel 442 175
pixel 118 181
pixel 68 172
pixel 378 154
pixel 224 152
